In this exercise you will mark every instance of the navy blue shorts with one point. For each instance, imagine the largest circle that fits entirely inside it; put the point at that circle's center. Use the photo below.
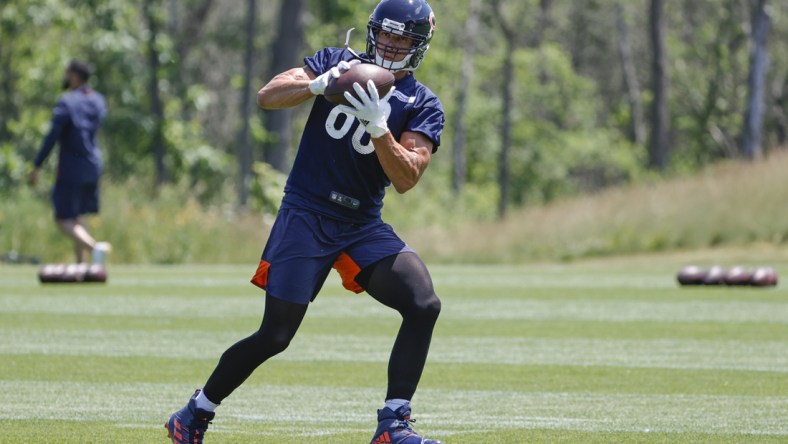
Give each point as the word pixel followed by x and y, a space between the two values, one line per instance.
pixel 72 200
pixel 303 247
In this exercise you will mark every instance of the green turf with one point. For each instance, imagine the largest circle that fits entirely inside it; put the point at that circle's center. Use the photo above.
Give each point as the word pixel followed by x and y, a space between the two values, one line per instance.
pixel 597 352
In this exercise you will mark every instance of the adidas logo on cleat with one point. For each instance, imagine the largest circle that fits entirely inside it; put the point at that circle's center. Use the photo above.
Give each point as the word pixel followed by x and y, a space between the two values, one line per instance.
pixel 384 438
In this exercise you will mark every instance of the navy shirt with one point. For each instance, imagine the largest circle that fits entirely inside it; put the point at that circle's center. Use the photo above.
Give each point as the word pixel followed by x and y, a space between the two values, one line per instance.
pixel 336 171
pixel 75 122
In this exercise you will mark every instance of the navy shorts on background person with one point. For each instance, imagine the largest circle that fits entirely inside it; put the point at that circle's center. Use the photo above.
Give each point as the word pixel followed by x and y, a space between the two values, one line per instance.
pixel 72 200
pixel 303 247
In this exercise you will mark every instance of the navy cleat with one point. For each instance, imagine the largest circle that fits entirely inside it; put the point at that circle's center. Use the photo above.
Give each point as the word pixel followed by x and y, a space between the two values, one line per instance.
pixel 394 428
pixel 188 425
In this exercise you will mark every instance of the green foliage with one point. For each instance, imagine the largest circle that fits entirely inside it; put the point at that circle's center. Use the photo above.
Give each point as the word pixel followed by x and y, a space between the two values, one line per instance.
pixel 713 48
pixel 558 147
pixel 730 204
pixel 329 21
pixel 570 108
pixel 267 188
pixel 111 36
pixel 144 226
pixel 724 206
pixel 433 206
pixel 12 169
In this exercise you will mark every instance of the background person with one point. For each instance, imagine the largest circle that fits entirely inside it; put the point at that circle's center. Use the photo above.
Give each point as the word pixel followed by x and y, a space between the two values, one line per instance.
pixel 75 122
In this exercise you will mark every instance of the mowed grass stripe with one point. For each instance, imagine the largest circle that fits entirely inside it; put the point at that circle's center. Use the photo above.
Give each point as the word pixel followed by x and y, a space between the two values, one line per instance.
pixel 504 281
pixel 203 303
pixel 493 409
pixel 487 376
pixel 81 432
pixel 661 353
pixel 490 290
pixel 242 326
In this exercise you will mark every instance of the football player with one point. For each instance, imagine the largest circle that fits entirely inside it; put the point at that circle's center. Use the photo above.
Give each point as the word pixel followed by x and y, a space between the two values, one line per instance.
pixel 331 215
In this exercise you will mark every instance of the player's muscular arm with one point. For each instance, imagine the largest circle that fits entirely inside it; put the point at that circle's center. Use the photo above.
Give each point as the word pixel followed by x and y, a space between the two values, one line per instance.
pixel 287 89
pixel 404 161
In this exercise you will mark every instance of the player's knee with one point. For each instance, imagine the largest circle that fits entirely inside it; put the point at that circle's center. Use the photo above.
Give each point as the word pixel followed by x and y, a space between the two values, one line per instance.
pixel 66 225
pixel 278 344
pixel 270 344
pixel 434 306
pixel 427 307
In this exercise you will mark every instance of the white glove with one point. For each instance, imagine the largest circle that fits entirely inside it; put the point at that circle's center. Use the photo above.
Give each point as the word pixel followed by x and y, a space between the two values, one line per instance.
pixel 318 86
pixel 371 110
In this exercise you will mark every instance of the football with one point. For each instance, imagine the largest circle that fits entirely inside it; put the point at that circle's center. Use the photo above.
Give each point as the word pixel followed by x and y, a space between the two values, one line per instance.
pixel 96 273
pixel 715 276
pixel 691 275
pixel 737 276
pixel 49 273
pixel 74 273
pixel 764 277
pixel 359 73
pixel 71 273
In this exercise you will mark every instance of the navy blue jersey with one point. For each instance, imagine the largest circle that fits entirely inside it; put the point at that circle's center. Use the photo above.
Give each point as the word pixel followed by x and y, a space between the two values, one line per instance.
pixel 75 122
pixel 336 171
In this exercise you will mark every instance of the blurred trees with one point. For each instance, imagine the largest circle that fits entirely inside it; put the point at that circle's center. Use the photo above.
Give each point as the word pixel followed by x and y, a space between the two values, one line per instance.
pixel 759 61
pixel 458 124
pixel 631 81
pixel 285 52
pixel 156 108
pixel 556 104
pixel 660 125
pixel 244 138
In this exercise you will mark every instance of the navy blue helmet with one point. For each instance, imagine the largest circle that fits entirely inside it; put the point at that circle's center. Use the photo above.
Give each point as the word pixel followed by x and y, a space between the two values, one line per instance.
pixel 413 19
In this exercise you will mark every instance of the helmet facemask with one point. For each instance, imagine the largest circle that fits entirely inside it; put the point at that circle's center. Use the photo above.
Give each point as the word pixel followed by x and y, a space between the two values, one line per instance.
pixel 395 58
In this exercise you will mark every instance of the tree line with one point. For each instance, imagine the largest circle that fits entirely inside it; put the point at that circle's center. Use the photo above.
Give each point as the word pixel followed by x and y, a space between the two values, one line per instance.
pixel 543 98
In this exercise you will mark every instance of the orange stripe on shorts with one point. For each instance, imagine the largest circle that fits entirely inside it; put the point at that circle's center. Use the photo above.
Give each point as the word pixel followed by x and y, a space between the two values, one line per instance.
pixel 260 277
pixel 348 269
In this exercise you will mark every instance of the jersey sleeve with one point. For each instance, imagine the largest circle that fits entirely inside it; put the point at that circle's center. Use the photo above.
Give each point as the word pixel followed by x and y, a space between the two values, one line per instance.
pixel 323 60
pixel 429 120
pixel 60 118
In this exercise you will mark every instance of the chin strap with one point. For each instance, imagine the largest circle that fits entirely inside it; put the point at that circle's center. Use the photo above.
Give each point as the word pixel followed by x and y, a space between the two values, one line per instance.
pixel 348 48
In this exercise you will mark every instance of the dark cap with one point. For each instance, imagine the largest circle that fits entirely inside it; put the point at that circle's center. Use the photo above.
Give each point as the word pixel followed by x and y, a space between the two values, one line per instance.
pixel 80 68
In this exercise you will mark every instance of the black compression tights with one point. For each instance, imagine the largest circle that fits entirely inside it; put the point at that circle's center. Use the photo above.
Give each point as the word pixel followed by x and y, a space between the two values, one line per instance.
pixel 280 323
pixel 401 282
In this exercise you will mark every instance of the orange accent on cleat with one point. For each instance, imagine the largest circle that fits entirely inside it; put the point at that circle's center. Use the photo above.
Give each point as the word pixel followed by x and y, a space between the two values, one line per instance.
pixel 383 439
pixel 188 425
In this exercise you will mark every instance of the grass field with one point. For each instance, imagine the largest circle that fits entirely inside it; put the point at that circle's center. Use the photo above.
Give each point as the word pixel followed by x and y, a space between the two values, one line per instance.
pixel 604 351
